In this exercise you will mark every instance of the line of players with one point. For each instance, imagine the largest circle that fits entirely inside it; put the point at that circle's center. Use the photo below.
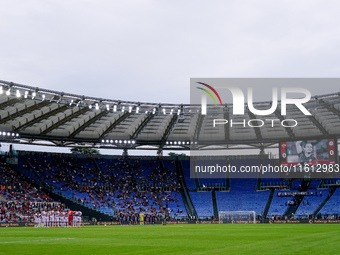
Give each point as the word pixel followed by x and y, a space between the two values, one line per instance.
pixel 136 218
pixel 56 219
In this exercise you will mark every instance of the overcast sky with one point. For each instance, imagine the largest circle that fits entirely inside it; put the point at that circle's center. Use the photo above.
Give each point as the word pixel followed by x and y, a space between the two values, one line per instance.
pixel 148 50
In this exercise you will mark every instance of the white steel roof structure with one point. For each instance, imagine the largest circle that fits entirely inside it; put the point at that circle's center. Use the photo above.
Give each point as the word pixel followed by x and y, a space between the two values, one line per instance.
pixel 34 115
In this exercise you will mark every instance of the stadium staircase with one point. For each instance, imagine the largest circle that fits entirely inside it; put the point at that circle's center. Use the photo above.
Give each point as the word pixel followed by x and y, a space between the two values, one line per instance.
pixel 34 176
pixel 95 164
pixel 39 183
pixel 189 207
pixel 164 180
pixel 259 177
pixel 331 192
pixel 197 182
pixel 227 178
pixel 214 200
pixel 163 169
pixel 298 199
pixel 269 202
pixel 159 200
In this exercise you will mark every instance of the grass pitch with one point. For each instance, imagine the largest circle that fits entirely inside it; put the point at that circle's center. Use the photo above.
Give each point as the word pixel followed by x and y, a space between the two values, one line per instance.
pixel 175 239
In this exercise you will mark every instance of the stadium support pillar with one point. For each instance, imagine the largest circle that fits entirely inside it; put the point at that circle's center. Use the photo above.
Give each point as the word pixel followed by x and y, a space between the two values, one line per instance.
pixel 259 176
pixel 269 202
pixel 197 183
pixel 160 153
pixel 125 153
pixel 95 164
pixel 227 177
pixel 213 196
pixel 184 191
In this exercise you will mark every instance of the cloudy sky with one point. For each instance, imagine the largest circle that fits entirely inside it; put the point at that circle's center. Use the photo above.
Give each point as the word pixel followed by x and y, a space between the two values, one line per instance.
pixel 148 50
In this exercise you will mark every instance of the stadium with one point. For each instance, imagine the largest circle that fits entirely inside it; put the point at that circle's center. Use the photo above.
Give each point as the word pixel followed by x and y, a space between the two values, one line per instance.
pixel 117 137
pixel 166 189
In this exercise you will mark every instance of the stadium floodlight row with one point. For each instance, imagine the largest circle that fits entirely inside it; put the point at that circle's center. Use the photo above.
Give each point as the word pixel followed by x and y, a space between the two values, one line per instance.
pixel 65 119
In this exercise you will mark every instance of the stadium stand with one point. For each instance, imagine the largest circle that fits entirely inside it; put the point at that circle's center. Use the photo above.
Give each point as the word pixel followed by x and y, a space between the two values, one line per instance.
pixel 312 201
pixel 125 184
pixel 190 182
pixel 110 186
pixel 279 204
pixel 332 207
pixel 19 200
pixel 202 201
pixel 242 197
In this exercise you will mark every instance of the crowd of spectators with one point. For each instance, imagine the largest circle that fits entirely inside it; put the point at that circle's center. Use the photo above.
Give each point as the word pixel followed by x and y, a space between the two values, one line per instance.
pixel 19 200
pixel 122 184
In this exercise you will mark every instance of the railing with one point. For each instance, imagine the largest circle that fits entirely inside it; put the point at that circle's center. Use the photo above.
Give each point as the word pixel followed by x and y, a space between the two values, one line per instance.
pixel 330 183
pixel 276 185
pixel 213 186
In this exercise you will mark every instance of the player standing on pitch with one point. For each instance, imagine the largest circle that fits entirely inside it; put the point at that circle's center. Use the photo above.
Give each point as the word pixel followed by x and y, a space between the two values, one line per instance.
pixel 141 218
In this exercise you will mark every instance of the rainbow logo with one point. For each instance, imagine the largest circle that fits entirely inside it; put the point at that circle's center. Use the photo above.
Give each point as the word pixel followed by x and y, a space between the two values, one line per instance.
pixel 209 93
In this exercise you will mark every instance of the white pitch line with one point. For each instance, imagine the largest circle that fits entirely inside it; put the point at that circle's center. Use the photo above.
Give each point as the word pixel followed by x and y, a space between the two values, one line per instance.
pixel 41 240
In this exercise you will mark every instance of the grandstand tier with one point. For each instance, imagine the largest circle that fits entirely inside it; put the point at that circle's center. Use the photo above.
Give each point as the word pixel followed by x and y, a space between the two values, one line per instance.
pixel 152 185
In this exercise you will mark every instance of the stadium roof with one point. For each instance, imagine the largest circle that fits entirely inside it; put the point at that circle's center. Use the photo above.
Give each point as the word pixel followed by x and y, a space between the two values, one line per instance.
pixel 35 116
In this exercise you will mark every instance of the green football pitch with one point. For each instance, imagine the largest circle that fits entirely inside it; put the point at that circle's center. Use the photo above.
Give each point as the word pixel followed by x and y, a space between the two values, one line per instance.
pixel 175 239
